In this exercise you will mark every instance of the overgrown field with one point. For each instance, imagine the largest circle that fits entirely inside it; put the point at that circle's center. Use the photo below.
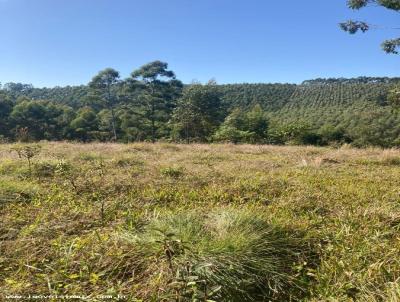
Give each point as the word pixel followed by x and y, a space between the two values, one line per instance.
pixel 164 222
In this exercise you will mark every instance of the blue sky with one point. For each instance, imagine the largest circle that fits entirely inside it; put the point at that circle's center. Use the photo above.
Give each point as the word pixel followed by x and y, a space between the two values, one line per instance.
pixel 65 42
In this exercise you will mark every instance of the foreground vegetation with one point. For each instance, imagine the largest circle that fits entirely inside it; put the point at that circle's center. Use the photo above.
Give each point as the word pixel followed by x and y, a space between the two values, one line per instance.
pixel 165 222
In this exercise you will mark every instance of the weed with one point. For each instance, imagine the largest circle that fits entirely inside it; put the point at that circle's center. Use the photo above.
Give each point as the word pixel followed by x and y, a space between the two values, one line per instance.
pixel 68 172
pixel 174 172
pixel 44 169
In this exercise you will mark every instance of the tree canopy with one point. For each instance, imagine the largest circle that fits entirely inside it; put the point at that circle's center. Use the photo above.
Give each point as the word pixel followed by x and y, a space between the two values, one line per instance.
pixel 156 89
pixel 104 89
pixel 352 27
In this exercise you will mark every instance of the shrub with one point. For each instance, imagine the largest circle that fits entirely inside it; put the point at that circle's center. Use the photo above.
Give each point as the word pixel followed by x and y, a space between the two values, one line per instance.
pixel 391 160
pixel 44 169
pixel 68 172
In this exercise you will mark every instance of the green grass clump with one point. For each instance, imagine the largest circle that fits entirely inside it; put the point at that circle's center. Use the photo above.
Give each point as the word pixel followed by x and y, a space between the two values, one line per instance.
pixel 227 254
pixel 8 167
pixel 89 157
pixel 21 191
pixel 174 172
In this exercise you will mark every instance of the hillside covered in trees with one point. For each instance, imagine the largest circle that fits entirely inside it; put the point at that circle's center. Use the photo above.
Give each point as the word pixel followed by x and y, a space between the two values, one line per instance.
pixel 153 105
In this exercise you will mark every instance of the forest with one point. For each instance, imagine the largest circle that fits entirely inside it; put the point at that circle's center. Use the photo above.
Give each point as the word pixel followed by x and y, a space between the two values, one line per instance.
pixel 153 105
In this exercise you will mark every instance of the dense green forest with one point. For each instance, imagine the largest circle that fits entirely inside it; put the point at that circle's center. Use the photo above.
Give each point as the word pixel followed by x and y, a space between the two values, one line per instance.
pixel 153 105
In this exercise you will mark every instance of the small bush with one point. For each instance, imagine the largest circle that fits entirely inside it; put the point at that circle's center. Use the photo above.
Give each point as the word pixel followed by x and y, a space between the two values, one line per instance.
pixel 44 169
pixel 174 172
pixel 391 161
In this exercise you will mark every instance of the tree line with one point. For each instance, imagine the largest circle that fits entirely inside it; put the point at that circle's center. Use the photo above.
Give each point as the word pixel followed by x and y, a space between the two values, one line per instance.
pixel 152 104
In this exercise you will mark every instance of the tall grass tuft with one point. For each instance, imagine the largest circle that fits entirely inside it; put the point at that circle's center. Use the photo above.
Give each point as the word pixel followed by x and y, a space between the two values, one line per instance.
pixel 224 255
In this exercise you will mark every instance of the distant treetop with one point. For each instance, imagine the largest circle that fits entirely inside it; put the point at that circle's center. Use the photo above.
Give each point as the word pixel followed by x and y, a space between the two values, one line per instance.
pixel 359 80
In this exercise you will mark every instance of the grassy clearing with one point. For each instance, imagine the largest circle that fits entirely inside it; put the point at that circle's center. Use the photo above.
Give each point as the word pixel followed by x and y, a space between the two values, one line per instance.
pixel 170 222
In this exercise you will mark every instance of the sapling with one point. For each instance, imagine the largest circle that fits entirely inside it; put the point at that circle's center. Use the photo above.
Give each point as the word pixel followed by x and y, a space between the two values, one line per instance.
pixel 28 152
pixel 67 171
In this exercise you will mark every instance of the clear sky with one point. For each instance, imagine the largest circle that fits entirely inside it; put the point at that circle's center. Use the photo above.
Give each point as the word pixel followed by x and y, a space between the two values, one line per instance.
pixel 65 42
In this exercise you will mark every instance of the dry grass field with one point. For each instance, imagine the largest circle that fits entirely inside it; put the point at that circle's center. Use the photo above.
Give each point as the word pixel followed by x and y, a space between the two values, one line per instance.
pixel 166 222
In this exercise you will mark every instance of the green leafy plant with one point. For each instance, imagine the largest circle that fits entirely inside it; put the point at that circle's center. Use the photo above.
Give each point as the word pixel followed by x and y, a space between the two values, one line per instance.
pixel 44 169
pixel 174 172
pixel 68 172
